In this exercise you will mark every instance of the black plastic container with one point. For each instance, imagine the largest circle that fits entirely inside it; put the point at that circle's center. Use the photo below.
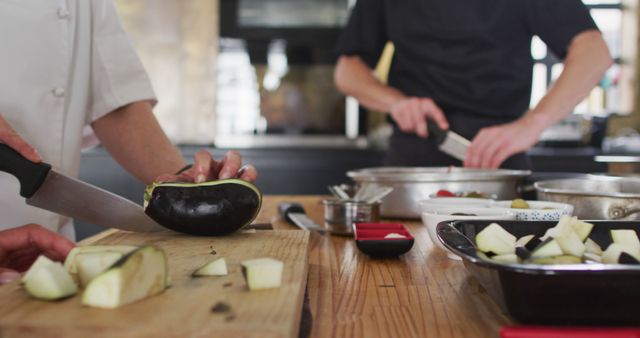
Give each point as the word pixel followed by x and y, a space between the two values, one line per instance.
pixel 584 294
pixel 370 239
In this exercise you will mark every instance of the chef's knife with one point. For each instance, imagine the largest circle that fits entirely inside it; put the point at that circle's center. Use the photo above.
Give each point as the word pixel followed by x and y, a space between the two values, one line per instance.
pixel 449 142
pixel 47 189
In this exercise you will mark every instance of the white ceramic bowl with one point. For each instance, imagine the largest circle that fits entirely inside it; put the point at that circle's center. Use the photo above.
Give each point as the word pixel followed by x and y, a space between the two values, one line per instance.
pixel 437 203
pixel 538 211
pixel 431 220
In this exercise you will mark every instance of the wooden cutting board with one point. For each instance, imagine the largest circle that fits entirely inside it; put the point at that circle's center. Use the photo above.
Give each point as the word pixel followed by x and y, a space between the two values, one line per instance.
pixel 183 310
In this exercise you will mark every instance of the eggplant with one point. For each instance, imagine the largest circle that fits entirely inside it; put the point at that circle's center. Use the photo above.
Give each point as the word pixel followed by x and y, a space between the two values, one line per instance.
pixel 496 239
pixel 262 273
pixel 48 280
pixel 212 208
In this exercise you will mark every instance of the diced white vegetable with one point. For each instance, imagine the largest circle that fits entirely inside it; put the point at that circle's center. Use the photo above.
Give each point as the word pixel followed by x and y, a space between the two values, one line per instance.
pixel 92 264
pixel 216 267
pixel 592 247
pixel 613 252
pixel 506 258
pixel 582 228
pixel 262 273
pixel 70 262
pixel 590 256
pixel 548 248
pixel 496 239
pixel 522 241
pixel 50 282
pixel 41 261
pixel 394 235
pixel 628 239
pixel 569 241
pixel 563 259
pixel 139 274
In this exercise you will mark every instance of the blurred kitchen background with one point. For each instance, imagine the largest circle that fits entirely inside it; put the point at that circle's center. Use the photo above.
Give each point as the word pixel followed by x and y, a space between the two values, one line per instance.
pixel 256 76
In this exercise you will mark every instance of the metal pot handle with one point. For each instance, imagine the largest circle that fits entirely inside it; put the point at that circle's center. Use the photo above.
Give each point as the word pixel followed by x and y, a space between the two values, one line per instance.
pixel 617 212
pixel 524 188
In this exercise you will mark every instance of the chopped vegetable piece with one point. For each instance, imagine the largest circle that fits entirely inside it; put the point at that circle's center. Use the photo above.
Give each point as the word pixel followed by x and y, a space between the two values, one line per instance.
pixel 613 252
pixel 50 282
pixel 592 247
pixel 216 267
pixel 262 273
pixel 70 262
pixel 564 259
pixel 506 258
pixel 496 239
pixel 394 235
pixel 92 264
pixel 41 261
pixel 445 193
pixel 548 248
pixel 140 274
pixel 626 238
pixel 570 242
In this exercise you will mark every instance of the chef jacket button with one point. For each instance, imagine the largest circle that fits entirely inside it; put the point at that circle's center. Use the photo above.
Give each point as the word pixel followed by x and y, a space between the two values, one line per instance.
pixel 63 13
pixel 58 92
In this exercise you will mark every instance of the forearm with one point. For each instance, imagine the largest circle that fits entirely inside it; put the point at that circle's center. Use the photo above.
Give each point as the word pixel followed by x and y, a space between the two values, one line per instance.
pixel 354 77
pixel 587 60
pixel 134 138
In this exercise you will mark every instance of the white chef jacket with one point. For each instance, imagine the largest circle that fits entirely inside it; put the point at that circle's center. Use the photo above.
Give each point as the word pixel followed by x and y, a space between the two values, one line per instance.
pixel 63 64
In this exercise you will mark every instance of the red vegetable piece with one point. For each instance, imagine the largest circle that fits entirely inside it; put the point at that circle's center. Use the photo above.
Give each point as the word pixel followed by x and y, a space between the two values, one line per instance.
pixel 445 193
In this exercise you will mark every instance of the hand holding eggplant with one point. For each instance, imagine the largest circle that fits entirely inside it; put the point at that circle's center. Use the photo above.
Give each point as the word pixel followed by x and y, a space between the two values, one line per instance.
pixel 205 168
pixel 19 247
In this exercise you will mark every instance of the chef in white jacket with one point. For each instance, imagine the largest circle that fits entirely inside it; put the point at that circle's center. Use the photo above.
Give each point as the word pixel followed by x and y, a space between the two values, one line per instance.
pixel 67 66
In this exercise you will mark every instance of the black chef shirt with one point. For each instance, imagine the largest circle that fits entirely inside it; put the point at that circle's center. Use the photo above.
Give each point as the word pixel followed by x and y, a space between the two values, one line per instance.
pixel 469 56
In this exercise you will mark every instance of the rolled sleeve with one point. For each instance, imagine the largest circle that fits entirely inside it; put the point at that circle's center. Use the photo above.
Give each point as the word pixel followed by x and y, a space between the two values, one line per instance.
pixel 365 34
pixel 557 22
pixel 118 76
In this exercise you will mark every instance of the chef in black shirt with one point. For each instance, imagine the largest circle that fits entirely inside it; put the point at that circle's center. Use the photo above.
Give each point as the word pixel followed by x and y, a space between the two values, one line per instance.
pixel 467 65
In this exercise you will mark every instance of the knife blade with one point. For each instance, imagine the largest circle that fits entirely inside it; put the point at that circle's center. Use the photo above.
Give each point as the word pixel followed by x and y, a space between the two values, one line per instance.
pixel 47 189
pixel 448 141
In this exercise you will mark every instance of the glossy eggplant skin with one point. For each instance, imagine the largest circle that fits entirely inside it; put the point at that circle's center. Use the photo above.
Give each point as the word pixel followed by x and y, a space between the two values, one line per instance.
pixel 207 209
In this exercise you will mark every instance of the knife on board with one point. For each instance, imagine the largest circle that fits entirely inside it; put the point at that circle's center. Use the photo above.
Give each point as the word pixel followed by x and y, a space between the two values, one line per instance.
pixel 45 188
pixel 448 141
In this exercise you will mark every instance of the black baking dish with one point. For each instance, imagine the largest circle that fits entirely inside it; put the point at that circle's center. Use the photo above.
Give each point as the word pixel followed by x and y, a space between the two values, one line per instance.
pixel 585 294
pixel 370 239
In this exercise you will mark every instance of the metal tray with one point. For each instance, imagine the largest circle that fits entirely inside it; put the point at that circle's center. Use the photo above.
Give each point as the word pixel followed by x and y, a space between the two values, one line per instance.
pixel 584 294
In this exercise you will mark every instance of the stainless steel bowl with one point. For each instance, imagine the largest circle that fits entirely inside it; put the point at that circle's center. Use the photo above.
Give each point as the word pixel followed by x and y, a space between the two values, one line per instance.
pixel 411 185
pixel 595 197
pixel 340 215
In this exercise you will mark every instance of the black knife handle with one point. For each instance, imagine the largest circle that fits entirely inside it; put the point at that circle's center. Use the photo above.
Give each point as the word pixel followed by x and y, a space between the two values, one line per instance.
pixel 31 175
pixel 286 208
pixel 439 135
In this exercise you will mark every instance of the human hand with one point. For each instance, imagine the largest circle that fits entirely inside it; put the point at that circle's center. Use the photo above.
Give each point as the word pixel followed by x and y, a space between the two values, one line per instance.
pixel 493 145
pixel 205 168
pixel 19 248
pixel 411 115
pixel 9 137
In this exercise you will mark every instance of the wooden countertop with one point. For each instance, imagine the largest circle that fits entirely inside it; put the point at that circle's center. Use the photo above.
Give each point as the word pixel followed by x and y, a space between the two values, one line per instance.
pixel 420 294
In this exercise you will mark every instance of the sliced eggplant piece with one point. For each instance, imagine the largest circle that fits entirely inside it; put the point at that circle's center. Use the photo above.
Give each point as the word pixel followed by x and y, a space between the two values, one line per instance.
pixel 582 228
pixel 522 241
pixel 70 262
pixel 262 273
pixel 614 251
pixel 563 259
pixel 506 258
pixel 41 261
pixel 496 239
pixel 216 267
pixel 548 248
pixel 523 252
pixel 203 209
pixel 137 275
pixel 569 242
pixel 627 238
pixel 590 257
pixel 50 282
pixel 92 264
pixel 626 258
pixel 592 247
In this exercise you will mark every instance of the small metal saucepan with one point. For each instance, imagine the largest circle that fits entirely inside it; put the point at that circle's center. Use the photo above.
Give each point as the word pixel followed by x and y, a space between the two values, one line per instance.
pixel 595 197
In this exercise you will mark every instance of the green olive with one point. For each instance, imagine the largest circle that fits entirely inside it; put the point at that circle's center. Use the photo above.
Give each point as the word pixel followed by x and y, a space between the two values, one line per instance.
pixel 519 203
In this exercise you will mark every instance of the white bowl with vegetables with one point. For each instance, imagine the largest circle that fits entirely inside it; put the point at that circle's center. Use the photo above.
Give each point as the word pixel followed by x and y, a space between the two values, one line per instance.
pixel 535 210
pixel 432 218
